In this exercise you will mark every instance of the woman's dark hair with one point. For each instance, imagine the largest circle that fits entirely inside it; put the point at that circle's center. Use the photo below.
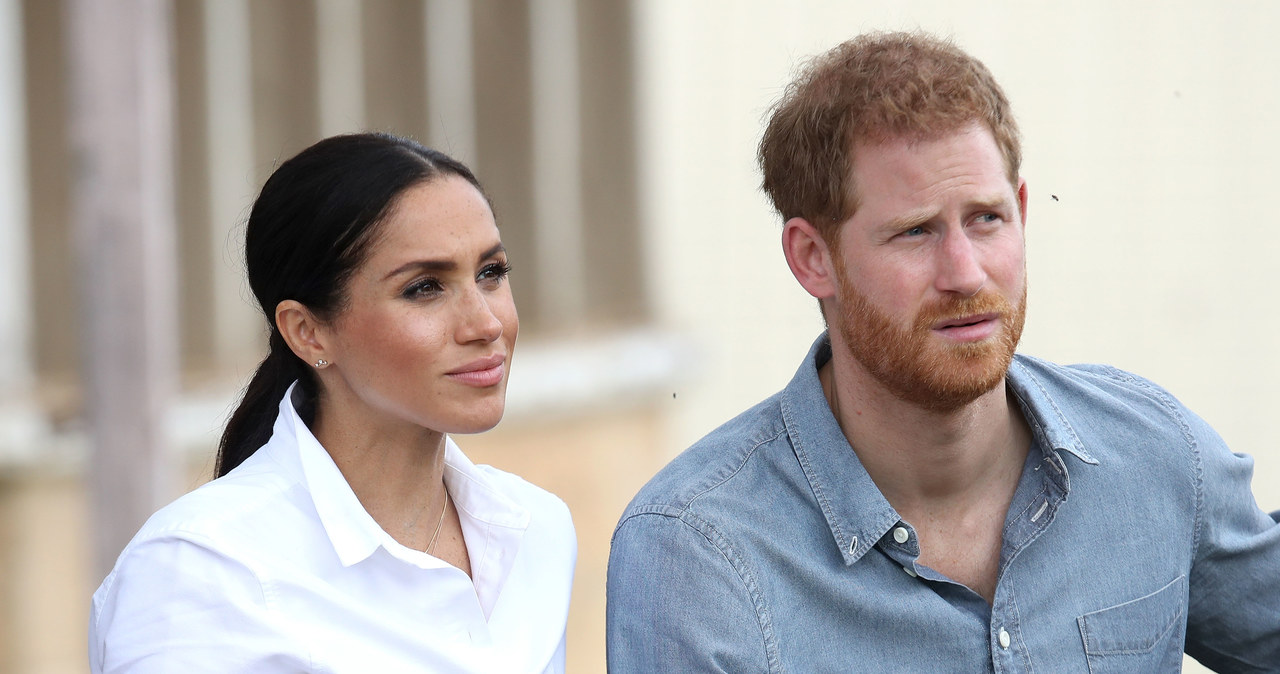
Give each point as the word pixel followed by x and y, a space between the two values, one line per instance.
pixel 310 229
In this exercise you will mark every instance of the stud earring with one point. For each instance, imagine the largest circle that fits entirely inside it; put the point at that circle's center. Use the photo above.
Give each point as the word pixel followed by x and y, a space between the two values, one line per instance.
pixel 321 363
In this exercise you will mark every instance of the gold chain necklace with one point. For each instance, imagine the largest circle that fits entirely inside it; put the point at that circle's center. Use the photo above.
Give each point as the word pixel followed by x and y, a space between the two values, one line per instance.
pixel 432 544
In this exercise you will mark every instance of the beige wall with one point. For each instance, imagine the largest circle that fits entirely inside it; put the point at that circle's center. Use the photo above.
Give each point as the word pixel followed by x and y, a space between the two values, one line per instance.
pixel 1154 130
pixel 1151 126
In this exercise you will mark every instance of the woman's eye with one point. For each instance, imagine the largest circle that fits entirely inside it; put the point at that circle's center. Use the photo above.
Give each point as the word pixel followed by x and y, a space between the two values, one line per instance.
pixel 494 273
pixel 422 288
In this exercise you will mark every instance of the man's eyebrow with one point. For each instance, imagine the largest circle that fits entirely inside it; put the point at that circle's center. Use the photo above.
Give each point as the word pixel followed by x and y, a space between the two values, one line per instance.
pixel 910 220
pixel 990 203
pixel 917 218
pixel 440 265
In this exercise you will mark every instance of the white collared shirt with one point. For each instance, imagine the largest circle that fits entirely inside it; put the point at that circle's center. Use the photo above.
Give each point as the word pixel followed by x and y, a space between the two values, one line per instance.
pixel 277 567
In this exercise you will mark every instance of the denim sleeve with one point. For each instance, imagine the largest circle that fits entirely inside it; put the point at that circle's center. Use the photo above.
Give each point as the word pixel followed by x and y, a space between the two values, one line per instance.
pixel 1233 621
pixel 678 600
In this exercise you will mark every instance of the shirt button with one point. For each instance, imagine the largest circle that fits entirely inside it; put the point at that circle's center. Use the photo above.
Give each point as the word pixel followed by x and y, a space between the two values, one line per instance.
pixel 1004 639
pixel 911 572
pixel 901 534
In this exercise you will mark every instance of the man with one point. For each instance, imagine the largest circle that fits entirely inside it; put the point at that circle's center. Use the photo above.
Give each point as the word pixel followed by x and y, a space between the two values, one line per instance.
pixel 918 498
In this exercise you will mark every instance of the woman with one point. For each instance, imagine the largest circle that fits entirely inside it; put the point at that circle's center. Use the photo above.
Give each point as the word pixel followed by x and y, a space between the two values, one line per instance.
pixel 345 532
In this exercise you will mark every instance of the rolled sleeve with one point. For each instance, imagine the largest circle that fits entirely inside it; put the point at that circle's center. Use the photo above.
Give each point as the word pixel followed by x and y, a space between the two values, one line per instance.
pixel 1234 606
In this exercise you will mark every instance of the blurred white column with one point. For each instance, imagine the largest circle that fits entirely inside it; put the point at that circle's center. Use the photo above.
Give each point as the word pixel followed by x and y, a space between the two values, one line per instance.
pixel 15 280
pixel 22 424
pixel 451 93
pixel 121 115
pixel 557 161
pixel 340 66
pixel 237 327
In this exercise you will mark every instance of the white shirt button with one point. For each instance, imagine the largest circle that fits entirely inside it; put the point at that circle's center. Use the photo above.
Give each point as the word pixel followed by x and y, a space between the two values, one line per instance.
pixel 1003 636
pixel 901 534
pixel 911 572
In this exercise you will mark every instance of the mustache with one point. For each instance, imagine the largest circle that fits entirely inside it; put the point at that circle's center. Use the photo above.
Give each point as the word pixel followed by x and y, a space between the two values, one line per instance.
pixel 951 307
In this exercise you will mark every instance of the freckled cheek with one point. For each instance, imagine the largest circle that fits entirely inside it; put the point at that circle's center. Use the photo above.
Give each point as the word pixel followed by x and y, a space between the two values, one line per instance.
pixel 402 349
pixel 511 326
pixel 504 308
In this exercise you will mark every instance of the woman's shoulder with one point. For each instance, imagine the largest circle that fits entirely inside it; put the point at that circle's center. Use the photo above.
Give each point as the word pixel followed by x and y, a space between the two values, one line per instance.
pixel 540 503
pixel 508 501
pixel 235 509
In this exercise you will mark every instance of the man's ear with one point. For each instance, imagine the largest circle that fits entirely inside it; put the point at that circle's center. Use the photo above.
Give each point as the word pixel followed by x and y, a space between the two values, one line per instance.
pixel 809 258
pixel 1022 201
pixel 302 331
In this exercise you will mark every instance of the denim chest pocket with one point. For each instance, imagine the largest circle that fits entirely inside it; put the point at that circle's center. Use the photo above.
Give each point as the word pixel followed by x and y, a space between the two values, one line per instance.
pixel 1142 635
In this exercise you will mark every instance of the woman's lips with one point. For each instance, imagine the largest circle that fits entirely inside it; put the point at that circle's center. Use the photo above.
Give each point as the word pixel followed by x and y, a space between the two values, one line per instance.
pixel 482 372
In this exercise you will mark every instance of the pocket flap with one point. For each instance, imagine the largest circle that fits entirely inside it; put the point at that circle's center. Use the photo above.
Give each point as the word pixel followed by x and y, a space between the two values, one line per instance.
pixel 1135 626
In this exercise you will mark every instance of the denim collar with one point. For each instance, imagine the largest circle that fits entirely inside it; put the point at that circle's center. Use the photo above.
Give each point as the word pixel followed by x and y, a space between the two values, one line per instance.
pixel 855 509
pixel 1050 426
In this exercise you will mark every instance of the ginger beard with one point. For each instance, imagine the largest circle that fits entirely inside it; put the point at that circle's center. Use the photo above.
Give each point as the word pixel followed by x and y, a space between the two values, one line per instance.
pixel 919 367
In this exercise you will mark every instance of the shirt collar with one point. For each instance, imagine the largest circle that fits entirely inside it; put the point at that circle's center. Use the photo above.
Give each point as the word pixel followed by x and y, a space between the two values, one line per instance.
pixel 855 509
pixel 492 523
pixel 352 531
pixel 1042 413
pixel 488 516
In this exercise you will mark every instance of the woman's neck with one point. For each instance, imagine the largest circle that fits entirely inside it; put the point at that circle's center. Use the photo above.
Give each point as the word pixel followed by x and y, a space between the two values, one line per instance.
pixel 395 469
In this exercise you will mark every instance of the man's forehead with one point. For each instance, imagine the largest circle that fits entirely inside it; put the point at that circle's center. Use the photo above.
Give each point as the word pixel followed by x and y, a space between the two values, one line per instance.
pixel 968 152
pixel 913 138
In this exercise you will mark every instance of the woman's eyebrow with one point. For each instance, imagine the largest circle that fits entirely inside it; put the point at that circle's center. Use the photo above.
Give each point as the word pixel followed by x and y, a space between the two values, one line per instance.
pixel 439 265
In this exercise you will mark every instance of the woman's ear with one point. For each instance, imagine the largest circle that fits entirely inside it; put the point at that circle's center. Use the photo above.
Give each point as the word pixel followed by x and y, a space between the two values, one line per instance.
pixel 303 332
pixel 809 258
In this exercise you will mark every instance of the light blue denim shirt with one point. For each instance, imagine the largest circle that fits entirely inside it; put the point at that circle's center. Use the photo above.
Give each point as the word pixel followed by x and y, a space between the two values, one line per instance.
pixel 1133 533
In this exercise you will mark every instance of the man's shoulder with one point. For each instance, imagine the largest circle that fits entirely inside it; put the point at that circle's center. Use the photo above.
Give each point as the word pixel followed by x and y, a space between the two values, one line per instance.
pixel 1096 403
pixel 704 475
pixel 1087 382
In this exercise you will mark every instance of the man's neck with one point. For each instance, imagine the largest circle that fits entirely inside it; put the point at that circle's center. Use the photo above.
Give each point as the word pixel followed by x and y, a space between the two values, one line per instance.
pixel 925 460
pixel 950 475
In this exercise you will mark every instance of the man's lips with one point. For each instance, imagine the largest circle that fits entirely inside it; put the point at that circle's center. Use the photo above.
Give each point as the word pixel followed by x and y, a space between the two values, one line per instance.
pixel 969 328
pixel 481 372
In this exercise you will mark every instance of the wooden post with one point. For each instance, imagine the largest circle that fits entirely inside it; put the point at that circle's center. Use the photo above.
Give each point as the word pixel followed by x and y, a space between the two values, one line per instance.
pixel 123 187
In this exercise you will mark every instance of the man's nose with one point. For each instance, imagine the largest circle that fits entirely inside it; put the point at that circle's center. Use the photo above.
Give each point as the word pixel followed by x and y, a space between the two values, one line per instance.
pixel 959 269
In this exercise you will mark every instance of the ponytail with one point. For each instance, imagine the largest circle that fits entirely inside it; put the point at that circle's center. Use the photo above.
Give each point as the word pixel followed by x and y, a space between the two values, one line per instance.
pixel 250 425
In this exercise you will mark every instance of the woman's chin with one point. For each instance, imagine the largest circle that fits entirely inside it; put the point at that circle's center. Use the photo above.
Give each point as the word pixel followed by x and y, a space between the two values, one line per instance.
pixel 476 424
